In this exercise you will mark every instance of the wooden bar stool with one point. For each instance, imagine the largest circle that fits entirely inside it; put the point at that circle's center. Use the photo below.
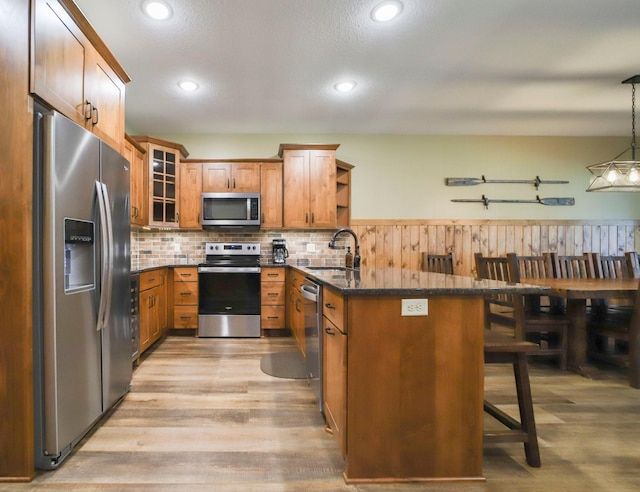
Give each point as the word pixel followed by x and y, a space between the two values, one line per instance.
pixel 503 349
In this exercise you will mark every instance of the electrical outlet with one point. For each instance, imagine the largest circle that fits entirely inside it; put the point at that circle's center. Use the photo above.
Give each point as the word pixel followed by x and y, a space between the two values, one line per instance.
pixel 311 248
pixel 415 307
pixel 176 246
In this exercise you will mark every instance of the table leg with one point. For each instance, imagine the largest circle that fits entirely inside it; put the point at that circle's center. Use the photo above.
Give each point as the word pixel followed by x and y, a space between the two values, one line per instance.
pixel 634 349
pixel 577 343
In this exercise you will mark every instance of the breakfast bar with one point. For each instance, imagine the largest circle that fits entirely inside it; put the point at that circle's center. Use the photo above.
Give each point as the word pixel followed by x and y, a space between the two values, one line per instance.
pixel 403 353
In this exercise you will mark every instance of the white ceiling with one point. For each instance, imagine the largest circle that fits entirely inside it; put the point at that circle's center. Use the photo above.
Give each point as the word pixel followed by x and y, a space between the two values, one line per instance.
pixel 502 67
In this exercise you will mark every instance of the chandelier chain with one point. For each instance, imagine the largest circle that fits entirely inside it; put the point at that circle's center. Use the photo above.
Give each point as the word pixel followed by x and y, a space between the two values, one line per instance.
pixel 633 115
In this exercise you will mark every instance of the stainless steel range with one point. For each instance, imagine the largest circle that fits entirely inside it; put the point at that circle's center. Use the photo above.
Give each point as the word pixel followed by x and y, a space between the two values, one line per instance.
pixel 229 291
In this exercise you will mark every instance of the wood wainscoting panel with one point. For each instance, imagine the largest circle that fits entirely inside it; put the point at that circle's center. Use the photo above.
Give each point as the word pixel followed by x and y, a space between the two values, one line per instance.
pixel 399 243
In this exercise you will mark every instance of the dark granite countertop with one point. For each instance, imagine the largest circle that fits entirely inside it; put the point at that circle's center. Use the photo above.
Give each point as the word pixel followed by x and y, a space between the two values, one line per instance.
pixel 395 281
pixel 135 271
pixel 398 282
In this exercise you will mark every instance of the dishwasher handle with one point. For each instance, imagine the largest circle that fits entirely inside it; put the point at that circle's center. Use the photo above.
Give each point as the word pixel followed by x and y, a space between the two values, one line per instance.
pixel 310 292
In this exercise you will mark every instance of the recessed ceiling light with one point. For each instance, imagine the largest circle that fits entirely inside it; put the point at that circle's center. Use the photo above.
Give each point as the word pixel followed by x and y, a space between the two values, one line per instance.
pixel 157 9
pixel 188 85
pixel 386 11
pixel 346 86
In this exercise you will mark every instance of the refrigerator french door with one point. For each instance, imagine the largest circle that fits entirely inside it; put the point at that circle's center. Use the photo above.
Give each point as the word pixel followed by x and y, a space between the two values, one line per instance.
pixel 82 332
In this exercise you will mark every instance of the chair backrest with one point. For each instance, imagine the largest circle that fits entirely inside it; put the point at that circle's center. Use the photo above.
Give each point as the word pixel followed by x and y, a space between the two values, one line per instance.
pixel 572 266
pixel 613 266
pixel 634 261
pixel 530 266
pixel 493 267
pixel 438 263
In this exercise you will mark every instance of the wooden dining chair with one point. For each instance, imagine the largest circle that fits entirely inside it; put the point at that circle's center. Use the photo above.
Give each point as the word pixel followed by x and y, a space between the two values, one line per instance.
pixel 538 266
pixel 576 266
pixel 547 328
pixel 609 325
pixel 611 266
pixel 499 308
pixel 438 263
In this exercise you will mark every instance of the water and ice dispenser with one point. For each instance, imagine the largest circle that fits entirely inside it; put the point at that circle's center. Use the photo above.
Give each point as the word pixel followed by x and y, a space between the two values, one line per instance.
pixel 79 256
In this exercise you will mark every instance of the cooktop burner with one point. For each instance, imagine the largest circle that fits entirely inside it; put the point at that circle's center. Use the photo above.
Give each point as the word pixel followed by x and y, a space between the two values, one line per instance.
pixel 232 254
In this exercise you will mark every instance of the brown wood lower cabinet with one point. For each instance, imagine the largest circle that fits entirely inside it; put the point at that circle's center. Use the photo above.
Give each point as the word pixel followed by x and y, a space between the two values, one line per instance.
pixel 185 297
pixel 335 381
pixel 403 394
pixel 152 306
pixel 272 293
pixel 295 308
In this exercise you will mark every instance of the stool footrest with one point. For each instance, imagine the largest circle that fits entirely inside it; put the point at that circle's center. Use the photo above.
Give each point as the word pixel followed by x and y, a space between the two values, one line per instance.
pixel 501 416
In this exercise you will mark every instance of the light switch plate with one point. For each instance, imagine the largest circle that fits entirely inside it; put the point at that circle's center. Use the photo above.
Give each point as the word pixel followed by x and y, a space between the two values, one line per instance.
pixel 311 248
pixel 415 307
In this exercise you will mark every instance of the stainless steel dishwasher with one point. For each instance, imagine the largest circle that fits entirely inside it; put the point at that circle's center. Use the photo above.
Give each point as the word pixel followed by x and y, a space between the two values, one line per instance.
pixel 312 294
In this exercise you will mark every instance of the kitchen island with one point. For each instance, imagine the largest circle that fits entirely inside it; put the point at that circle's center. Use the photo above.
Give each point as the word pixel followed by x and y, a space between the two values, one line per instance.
pixel 403 386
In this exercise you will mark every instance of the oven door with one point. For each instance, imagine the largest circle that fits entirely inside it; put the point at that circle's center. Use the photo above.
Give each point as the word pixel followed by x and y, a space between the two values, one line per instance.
pixel 228 301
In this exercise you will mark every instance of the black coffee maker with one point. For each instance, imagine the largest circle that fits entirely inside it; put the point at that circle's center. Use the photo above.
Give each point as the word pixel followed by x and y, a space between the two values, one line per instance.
pixel 280 252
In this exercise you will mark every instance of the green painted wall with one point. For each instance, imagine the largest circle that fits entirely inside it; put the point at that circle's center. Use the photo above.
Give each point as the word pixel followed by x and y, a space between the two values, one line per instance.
pixel 402 177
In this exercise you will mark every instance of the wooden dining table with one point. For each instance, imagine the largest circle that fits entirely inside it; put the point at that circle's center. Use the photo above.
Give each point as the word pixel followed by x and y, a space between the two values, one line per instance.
pixel 576 291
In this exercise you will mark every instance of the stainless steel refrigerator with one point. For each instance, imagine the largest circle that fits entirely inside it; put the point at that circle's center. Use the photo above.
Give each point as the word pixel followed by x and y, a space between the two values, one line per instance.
pixel 82 333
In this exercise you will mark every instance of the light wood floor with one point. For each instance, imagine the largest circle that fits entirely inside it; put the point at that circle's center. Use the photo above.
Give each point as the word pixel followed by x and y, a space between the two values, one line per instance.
pixel 201 416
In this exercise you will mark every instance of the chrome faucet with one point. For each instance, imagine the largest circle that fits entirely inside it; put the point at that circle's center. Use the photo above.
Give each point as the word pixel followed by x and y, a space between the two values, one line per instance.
pixel 356 257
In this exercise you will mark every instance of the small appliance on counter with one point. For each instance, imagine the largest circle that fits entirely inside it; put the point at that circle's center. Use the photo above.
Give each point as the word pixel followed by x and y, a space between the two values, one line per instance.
pixel 280 252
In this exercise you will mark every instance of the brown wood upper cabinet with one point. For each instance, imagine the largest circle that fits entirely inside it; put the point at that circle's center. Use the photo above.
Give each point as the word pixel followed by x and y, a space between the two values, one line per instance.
pixel 231 177
pixel 191 195
pixel 309 185
pixel 74 72
pixel 271 195
pixel 134 153
pixel 162 160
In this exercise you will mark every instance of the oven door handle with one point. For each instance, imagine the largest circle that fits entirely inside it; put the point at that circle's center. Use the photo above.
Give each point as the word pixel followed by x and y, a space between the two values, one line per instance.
pixel 228 269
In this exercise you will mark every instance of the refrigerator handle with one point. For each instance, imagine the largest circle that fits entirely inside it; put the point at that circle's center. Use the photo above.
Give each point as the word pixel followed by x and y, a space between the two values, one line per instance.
pixel 105 254
pixel 109 270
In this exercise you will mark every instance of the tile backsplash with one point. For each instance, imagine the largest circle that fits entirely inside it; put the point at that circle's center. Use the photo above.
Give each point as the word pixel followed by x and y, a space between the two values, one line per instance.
pixel 159 248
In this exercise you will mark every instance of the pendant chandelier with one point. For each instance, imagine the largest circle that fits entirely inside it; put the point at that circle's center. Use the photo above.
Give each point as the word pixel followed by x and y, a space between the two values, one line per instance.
pixel 619 174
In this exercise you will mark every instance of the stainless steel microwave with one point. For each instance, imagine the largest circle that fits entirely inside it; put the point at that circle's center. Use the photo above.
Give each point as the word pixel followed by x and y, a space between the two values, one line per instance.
pixel 231 209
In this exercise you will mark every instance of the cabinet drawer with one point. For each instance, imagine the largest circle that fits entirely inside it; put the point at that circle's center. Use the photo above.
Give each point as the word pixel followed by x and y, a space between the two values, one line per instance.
pixel 185 274
pixel 185 293
pixel 272 317
pixel 272 275
pixel 185 316
pixel 150 279
pixel 272 293
pixel 333 308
